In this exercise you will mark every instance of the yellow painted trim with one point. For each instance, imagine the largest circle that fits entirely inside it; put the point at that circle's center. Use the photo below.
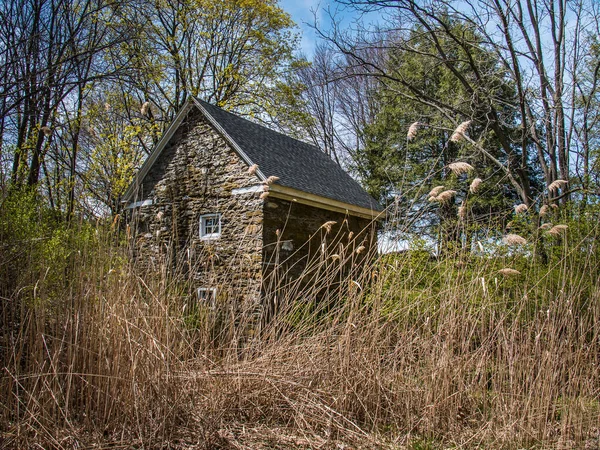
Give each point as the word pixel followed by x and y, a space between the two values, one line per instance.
pixel 290 194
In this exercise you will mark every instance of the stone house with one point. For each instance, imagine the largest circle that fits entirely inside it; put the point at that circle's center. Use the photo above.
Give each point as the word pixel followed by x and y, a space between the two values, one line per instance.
pixel 227 201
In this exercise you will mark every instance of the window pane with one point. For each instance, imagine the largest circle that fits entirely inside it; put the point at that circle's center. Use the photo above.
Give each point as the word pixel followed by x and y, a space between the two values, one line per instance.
pixel 205 294
pixel 210 225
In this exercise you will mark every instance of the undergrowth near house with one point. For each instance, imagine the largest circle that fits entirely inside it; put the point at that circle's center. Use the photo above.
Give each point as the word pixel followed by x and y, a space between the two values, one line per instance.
pixel 416 351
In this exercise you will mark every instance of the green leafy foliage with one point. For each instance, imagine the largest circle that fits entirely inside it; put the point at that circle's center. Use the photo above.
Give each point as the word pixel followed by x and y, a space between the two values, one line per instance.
pixel 40 251
pixel 392 163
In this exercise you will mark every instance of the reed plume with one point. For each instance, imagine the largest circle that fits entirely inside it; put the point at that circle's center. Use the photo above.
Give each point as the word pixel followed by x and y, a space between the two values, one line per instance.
pixel 327 225
pixel 272 179
pixel 460 131
pixel 412 131
pixel 519 209
pixel 474 187
pixel 557 184
pixel 436 191
pixel 514 239
pixel 460 167
pixel 446 196
pixel 557 230
pixel 508 272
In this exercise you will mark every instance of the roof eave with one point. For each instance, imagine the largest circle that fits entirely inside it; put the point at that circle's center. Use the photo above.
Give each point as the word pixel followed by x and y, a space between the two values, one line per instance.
pixel 296 195
pixel 162 143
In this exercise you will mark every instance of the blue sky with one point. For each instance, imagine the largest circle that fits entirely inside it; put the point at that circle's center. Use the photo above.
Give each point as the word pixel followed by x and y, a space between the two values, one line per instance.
pixel 303 12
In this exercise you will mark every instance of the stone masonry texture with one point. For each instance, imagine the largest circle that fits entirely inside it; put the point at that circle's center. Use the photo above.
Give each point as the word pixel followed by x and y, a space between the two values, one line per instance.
pixel 196 174
pixel 294 238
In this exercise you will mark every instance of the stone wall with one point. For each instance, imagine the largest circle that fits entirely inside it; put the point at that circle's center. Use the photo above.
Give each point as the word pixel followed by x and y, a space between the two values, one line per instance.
pixel 197 173
pixel 297 242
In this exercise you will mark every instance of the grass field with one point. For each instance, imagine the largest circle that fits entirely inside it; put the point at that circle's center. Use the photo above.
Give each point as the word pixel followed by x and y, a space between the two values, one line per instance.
pixel 415 352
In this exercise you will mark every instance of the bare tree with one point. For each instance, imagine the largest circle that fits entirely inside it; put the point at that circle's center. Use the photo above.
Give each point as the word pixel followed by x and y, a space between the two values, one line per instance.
pixel 539 46
pixel 320 95
pixel 338 97
pixel 53 51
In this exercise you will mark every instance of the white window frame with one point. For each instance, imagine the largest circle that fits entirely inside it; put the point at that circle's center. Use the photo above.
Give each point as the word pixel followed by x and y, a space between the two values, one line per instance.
pixel 207 299
pixel 214 235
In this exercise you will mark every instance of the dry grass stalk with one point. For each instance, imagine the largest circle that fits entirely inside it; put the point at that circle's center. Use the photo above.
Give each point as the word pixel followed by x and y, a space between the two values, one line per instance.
pixel 272 179
pixel 120 354
pixel 160 215
pixel 115 221
pixel 446 196
pixel 462 212
pixel 557 230
pixel 47 131
pixel 460 131
pixel 328 225
pixel 252 169
pixel 546 226
pixel 557 184
pixel 474 187
pixel 412 131
pixel 460 167
pixel 508 272
pixel 544 210
pixel 522 208
pixel 436 191
pixel 145 109
pixel 514 239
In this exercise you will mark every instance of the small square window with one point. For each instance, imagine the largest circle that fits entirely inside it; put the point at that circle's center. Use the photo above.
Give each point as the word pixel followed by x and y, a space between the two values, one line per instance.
pixel 210 226
pixel 207 295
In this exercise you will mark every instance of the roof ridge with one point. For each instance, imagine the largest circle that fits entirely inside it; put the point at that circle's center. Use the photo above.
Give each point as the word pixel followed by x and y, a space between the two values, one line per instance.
pixel 298 164
pixel 237 116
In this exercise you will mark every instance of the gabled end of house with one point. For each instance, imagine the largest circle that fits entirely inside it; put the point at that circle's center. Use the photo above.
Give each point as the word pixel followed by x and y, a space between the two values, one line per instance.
pixel 236 204
pixel 303 172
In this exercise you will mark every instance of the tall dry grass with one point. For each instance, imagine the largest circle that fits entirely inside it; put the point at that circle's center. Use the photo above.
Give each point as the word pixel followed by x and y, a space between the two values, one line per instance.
pixel 413 352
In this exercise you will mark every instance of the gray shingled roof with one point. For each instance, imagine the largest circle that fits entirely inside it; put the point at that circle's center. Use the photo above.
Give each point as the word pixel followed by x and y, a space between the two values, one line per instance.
pixel 297 164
